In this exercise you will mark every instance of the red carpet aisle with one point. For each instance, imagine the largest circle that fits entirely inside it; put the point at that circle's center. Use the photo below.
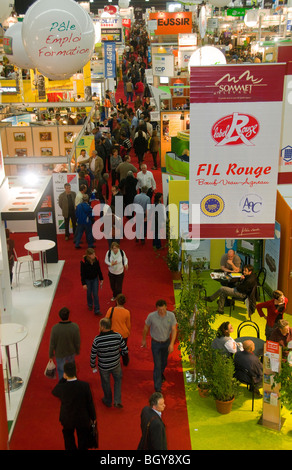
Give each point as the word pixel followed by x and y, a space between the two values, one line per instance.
pixel 148 278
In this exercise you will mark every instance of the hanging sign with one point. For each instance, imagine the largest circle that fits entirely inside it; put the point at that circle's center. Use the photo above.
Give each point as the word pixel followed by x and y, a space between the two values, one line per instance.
pixel 163 65
pixel 234 147
pixel 109 59
pixel 172 23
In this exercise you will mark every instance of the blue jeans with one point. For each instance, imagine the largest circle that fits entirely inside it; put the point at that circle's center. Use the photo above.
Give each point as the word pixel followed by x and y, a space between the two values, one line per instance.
pixel 60 361
pixel 129 95
pixel 80 229
pixel 160 355
pixel 105 376
pixel 92 294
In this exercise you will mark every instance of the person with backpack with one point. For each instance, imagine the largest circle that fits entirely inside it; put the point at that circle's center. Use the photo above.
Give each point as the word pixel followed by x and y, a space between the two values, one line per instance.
pixel 117 263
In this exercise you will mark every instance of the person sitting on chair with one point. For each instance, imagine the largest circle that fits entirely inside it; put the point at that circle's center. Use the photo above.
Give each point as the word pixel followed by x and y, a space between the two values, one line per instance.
pixel 275 309
pixel 223 341
pixel 246 359
pixel 241 291
pixel 282 335
pixel 230 262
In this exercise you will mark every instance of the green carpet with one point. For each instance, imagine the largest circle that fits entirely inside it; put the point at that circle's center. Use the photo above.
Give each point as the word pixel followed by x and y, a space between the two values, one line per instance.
pixel 239 430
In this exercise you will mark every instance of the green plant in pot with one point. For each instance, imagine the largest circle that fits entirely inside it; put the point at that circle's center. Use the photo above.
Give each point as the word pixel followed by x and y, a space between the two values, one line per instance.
pixel 195 330
pixel 284 378
pixel 224 386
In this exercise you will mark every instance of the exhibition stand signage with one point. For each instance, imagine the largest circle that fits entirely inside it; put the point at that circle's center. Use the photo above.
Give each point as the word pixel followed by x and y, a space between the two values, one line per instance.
pixel 271 416
pixel 59 179
pixel 172 23
pixel 285 158
pixel 109 59
pixel 236 115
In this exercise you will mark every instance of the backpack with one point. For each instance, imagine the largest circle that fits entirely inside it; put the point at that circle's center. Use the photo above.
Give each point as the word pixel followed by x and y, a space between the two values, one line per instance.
pixel 122 254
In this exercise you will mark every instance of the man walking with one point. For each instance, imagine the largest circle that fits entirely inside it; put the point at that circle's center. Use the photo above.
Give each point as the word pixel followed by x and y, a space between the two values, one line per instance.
pixel 146 178
pixel 107 347
pixel 141 228
pixel 162 327
pixel 152 426
pixel 64 341
pixel 77 409
pixel 67 204
pixel 84 222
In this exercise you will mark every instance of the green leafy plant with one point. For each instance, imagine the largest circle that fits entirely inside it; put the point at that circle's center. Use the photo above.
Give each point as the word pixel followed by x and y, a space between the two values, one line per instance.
pixel 173 257
pixel 284 378
pixel 224 386
pixel 195 330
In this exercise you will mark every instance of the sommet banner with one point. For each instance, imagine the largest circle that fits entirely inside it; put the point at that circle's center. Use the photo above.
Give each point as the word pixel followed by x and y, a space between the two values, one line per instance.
pixel 235 116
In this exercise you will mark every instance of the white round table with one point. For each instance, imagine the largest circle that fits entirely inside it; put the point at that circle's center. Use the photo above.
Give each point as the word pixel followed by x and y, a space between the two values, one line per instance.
pixel 41 246
pixel 12 333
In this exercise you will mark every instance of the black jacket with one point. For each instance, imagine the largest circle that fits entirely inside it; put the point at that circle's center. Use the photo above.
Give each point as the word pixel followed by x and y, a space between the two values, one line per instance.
pixel 153 431
pixel 247 284
pixel 77 408
pixel 90 271
pixel 247 360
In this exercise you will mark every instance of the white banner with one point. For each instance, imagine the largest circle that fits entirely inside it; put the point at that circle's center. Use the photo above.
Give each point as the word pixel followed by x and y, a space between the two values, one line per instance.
pixel 234 147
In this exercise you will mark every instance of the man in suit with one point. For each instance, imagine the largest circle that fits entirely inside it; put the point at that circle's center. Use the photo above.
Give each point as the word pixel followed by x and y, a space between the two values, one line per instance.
pixel 152 426
pixel 67 204
pixel 77 408
pixel 246 359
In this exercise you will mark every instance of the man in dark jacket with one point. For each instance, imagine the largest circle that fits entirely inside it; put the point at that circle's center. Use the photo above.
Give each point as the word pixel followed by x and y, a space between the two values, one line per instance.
pixel 64 341
pixel 241 291
pixel 77 408
pixel 152 426
pixel 246 359
pixel 84 222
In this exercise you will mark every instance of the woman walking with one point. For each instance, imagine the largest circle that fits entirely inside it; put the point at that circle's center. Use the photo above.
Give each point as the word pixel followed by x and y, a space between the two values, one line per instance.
pixel 91 277
pixel 117 262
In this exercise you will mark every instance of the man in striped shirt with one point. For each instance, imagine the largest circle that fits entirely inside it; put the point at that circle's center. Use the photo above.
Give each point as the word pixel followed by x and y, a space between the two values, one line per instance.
pixel 108 346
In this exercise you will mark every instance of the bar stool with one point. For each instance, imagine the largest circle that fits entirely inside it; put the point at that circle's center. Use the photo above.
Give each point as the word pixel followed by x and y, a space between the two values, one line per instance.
pixel 19 263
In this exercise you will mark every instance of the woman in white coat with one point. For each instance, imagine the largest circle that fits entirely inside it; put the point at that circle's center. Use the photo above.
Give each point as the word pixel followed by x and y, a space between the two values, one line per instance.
pixel 117 263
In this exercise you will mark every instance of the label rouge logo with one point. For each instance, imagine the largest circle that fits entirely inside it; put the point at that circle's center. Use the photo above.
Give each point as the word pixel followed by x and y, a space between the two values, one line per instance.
pixel 235 129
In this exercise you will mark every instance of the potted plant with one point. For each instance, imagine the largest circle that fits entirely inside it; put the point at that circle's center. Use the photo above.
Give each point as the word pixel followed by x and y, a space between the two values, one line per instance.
pixel 173 258
pixel 195 330
pixel 284 379
pixel 223 384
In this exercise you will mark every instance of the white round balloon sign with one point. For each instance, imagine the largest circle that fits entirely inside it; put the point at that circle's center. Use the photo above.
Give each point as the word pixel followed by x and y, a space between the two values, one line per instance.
pixel 58 36
pixel 14 49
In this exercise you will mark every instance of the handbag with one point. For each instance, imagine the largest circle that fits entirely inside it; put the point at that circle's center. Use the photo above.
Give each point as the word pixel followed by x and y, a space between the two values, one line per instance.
pixel 93 436
pixel 50 370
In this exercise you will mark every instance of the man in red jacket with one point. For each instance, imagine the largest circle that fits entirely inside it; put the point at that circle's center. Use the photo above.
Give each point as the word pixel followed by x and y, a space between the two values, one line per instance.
pixel 275 309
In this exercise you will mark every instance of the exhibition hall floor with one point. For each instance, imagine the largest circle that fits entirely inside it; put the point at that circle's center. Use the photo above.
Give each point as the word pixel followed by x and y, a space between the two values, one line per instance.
pixel 31 308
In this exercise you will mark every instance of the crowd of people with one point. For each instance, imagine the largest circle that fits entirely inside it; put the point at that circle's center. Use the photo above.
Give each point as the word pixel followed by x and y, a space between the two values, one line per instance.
pixel 109 177
pixel 247 362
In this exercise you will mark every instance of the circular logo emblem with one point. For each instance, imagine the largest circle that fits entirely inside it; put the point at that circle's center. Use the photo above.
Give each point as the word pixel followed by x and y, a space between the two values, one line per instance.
pixel 212 205
pixel 251 205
